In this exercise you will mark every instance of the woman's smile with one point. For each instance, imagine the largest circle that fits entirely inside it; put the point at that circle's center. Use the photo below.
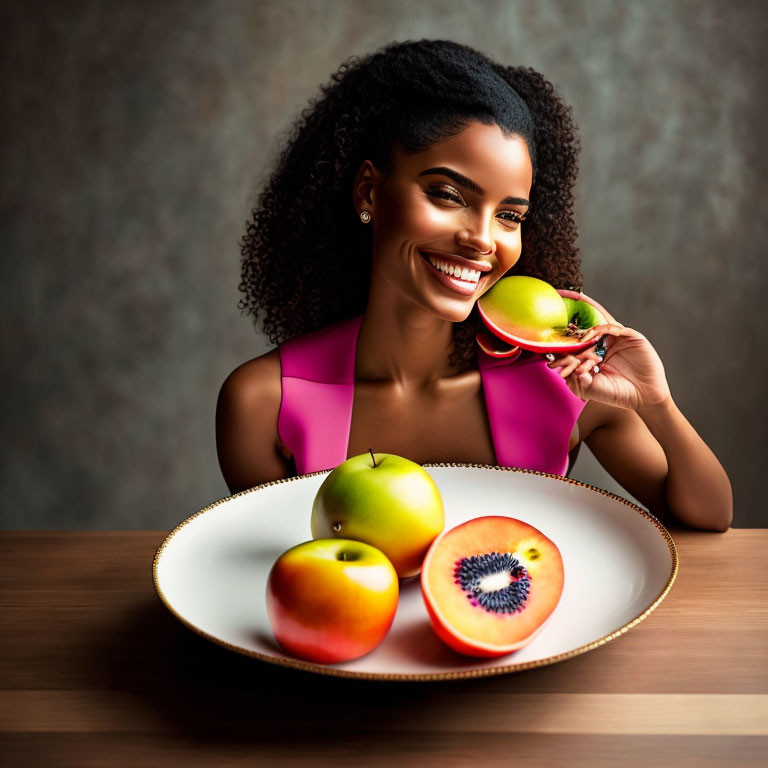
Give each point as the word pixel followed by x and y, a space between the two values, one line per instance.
pixel 461 279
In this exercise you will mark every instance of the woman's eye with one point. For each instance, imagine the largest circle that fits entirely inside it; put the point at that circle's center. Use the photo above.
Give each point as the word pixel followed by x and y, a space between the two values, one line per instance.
pixel 446 194
pixel 514 216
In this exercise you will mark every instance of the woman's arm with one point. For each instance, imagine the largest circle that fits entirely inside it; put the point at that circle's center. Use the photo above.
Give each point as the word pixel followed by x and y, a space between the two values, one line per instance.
pixel 698 490
pixel 642 438
pixel 656 454
pixel 247 410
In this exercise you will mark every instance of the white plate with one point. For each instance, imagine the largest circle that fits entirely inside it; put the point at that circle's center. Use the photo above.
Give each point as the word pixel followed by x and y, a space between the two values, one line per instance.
pixel 620 562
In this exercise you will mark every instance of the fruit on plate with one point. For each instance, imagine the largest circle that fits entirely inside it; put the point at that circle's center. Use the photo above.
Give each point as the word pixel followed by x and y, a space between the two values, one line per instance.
pixel 490 584
pixel 384 500
pixel 331 600
pixel 527 313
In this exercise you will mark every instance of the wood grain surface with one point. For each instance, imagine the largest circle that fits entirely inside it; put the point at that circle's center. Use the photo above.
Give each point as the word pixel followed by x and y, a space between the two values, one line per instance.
pixel 95 671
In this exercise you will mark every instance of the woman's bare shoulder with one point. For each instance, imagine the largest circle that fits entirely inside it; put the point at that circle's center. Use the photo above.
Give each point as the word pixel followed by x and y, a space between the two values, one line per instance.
pixel 259 376
pixel 247 412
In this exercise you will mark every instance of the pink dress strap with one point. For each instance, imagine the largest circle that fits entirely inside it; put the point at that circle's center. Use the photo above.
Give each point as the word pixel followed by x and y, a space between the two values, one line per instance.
pixel 531 412
pixel 530 409
pixel 318 380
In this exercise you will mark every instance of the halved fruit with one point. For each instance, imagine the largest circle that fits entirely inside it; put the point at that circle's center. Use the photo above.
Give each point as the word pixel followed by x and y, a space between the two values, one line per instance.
pixel 495 347
pixel 490 584
pixel 531 314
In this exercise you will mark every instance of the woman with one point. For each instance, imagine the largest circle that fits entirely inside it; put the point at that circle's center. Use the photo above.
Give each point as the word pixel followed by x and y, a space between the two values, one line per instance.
pixel 421 160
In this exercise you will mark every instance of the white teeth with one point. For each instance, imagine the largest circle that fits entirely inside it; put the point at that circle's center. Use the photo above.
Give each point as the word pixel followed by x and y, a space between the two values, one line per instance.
pixel 465 273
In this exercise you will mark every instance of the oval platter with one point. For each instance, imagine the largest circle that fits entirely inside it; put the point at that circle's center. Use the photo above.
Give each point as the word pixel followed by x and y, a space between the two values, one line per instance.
pixel 620 562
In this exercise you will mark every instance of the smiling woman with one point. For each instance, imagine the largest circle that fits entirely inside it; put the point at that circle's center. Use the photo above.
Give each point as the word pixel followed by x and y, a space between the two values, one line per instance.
pixel 419 177
pixel 459 229
pixel 307 256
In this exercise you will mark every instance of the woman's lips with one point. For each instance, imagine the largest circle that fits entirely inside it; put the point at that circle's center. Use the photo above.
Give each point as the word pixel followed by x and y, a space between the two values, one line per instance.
pixel 464 287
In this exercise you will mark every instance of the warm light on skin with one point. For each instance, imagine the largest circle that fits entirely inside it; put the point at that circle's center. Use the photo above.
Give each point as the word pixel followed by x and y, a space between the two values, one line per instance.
pixel 407 217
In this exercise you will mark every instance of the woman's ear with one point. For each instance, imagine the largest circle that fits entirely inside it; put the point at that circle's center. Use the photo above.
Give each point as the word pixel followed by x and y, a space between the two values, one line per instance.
pixel 363 189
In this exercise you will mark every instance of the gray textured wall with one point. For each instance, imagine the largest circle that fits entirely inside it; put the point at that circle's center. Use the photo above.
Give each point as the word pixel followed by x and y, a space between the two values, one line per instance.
pixel 134 137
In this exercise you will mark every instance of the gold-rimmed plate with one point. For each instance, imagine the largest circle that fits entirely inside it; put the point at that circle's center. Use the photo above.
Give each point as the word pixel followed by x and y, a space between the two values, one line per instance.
pixel 620 562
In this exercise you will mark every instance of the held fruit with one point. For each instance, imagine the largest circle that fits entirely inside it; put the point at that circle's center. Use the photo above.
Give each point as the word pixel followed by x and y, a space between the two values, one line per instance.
pixel 490 584
pixel 384 500
pixel 527 306
pixel 331 600
pixel 527 313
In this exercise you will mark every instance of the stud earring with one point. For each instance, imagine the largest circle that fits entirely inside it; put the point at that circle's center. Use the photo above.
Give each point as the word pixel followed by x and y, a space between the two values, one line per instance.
pixel 365 217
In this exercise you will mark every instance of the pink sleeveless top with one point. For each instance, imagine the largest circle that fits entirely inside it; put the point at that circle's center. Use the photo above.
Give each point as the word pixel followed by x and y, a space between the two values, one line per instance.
pixel 530 408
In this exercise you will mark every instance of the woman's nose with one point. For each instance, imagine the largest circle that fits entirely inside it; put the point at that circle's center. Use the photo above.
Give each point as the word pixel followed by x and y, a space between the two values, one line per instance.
pixel 479 240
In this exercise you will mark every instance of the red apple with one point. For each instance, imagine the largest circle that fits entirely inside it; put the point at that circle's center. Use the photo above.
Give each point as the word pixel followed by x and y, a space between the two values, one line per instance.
pixel 331 600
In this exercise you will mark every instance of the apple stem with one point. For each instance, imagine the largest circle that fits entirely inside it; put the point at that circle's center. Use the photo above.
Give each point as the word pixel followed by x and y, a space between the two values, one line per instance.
pixel 372 456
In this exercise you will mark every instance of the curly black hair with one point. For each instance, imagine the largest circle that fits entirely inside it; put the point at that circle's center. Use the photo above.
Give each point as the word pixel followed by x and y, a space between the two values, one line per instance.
pixel 306 256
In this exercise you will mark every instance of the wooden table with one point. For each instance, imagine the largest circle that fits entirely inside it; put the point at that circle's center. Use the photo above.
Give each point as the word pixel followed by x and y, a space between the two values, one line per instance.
pixel 95 671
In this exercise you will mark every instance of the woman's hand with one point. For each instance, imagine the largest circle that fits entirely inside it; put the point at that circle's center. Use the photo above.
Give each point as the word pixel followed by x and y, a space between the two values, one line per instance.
pixel 631 375
pixel 654 452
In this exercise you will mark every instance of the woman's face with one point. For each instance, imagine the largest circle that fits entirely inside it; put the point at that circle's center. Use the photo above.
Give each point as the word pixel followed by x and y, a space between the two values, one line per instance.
pixel 458 203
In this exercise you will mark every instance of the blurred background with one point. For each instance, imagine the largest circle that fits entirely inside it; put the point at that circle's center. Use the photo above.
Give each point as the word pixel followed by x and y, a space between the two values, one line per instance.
pixel 135 138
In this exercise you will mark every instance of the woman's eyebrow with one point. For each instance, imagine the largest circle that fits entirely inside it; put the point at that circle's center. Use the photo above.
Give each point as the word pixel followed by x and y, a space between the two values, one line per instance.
pixel 469 184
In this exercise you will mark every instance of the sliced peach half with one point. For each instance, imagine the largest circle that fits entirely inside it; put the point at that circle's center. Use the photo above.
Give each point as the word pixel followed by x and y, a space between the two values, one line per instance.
pixel 528 313
pixel 490 584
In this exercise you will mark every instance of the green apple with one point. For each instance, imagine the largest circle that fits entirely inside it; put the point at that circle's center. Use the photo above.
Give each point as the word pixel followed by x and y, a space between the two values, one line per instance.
pixel 384 500
pixel 525 306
